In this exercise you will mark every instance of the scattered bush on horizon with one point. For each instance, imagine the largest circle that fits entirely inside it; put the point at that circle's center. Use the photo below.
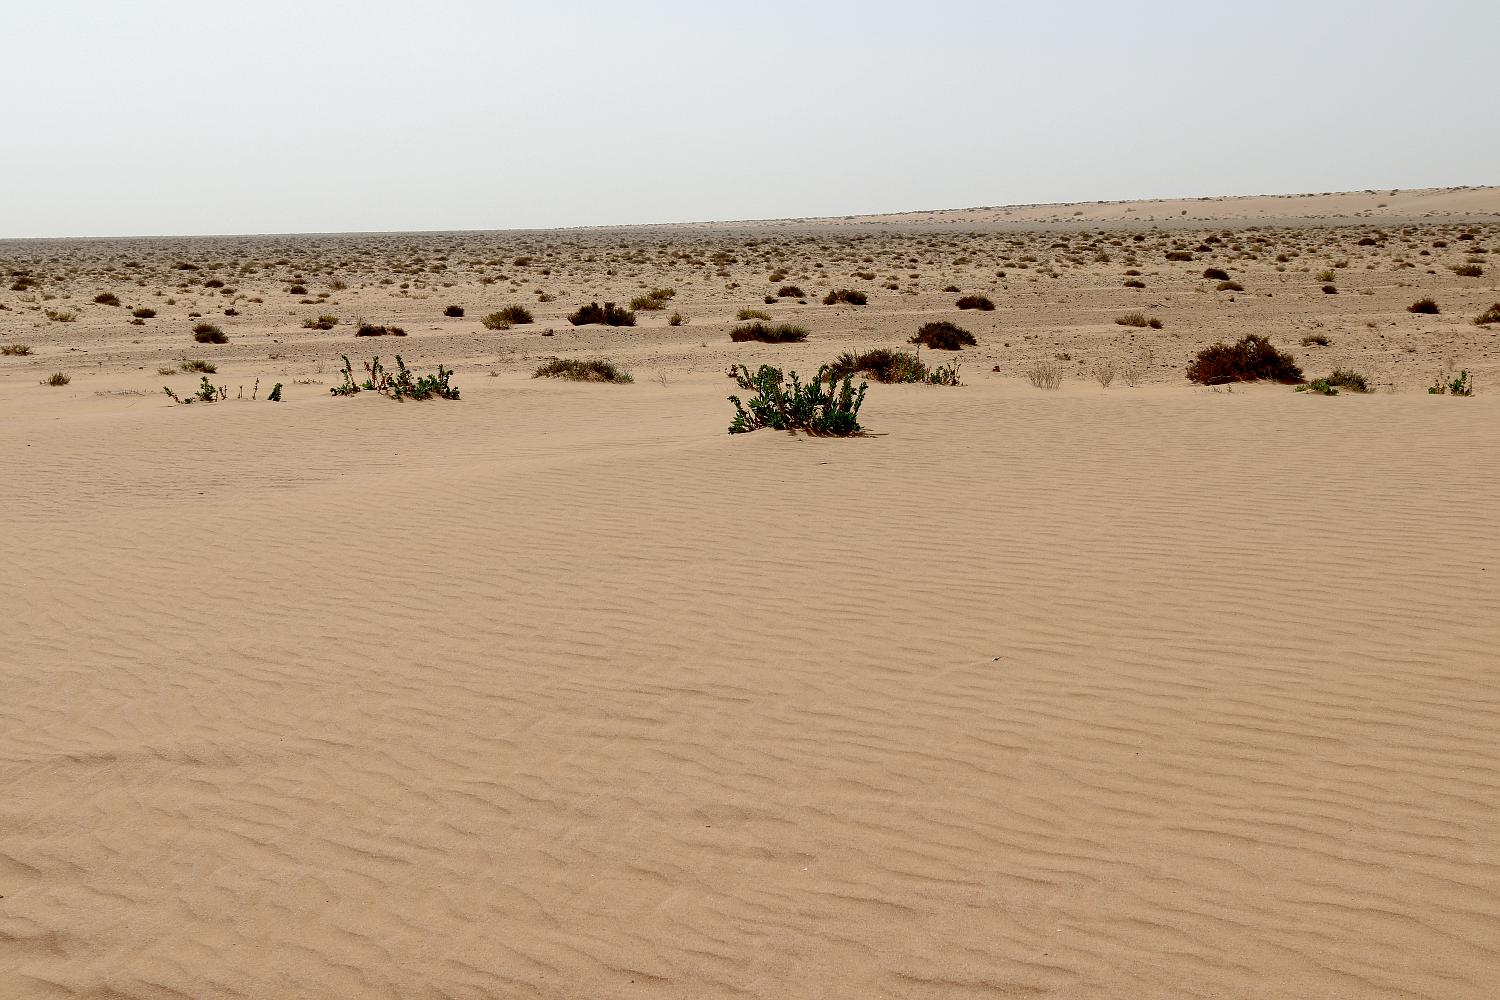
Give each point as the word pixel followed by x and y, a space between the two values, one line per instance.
pixel 768 333
pixel 943 336
pixel 1426 307
pixel 207 333
pixel 590 370
pixel 980 302
pixel 399 384
pixel 1138 319
pixel 375 330
pixel 825 406
pixel 845 295
pixel 889 366
pixel 607 315
pixel 1250 359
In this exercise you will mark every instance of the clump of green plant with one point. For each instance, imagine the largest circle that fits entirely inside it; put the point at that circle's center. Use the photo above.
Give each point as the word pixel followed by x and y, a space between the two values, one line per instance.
pixel 321 323
pixel 1348 378
pixel 824 406
pixel 1138 319
pixel 790 292
pixel 1249 359
pixel 143 312
pixel 275 394
pixel 889 366
pixel 377 330
pixel 19 350
pixel 608 314
pixel 454 311
pixel 207 333
pixel 1326 275
pixel 848 296
pixel 980 302
pixel 768 333
pixel 107 299
pixel 1457 385
pixel 1426 307
pixel 1490 315
pixel 504 319
pixel 208 392
pixel 676 319
pixel 752 314
pixel 399 384
pixel 1316 340
pixel 655 299
pixel 943 336
pixel 199 365
pixel 1320 386
pixel 591 370
pixel 57 378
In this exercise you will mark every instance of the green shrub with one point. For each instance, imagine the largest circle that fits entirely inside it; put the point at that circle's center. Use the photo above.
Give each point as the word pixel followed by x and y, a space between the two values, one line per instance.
pixel 824 406
pixel 752 314
pixel 505 318
pixel 943 336
pixel 1320 386
pixel 652 300
pixel 845 295
pixel 57 378
pixel 609 315
pixel 1348 378
pixel 275 394
pixel 768 333
pixel 207 333
pixel 199 365
pixel 375 330
pixel 676 319
pixel 980 302
pixel 1426 307
pixel 321 323
pixel 399 384
pixel 888 366
pixel 592 370
pixel 1249 359
pixel 1458 385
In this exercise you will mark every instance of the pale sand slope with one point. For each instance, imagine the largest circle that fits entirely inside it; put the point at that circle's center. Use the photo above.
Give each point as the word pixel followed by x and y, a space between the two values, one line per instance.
pixel 559 691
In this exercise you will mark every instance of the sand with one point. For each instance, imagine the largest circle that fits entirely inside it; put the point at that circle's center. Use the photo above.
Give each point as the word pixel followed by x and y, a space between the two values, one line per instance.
pixel 561 691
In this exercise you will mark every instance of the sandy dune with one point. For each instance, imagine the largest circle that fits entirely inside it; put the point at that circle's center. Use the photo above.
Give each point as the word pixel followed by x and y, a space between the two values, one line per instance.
pixel 560 691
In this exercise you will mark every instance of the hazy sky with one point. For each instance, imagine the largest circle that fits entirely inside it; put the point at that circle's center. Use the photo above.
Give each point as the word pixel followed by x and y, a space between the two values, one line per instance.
pixel 158 117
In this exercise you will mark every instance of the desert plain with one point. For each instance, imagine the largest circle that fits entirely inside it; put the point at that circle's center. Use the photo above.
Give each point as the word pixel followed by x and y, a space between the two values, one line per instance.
pixel 1130 687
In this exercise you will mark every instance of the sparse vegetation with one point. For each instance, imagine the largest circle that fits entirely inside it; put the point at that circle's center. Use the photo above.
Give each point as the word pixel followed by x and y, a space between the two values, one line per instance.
pixel 790 292
pixel 1490 315
pixel 376 330
pixel 943 336
pixel 847 296
pixel 592 370
pixel 608 314
pixel 504 319
pixel 199 365
pixel 656 298
pixel 1316 340
pixel 980 302
pixel 143 312
pixel 1138 319
pixel 399 384
pixel 17 350
pixel 321 323
pixel 1455 385
pixel 768 333
pixel 1216 274
pixel 824 406
pixel 888 366
pixel 61 315
pixel 207 333
pixel 454 312
pixel 1426 307
pixel 1045 375
pixel 107 299
pixel 1468 270
pixel 752 314
pixel 1252 358
pixel 57 378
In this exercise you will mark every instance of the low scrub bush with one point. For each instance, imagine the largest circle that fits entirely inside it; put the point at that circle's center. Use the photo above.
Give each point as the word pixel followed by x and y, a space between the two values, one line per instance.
pixel 1229 286
pixel 1316 340
pixel 1138 319
pixel 61 315
pixel 1456 385
pixel 504 319
pixel 399 384
pixel 107 299
pixel 1490 315
pixel 1249 359
pixel 199 365
pixel 1426 307
pixel 1216 274
pixel 455 312
pixel 608 314
pixel 847 296
pixel 376 330
pixel 19 350
pixel 824 406
pixel 143 312
pixel 888 366
pixel 980 302
pixel 207 333
pixel 57 378
pixel 1045 375
pixel 768 333
pixel 752 314
pixel 1134 283
pixel 655 299
pixel 1468 270
pixel 943 336
pixel 790 292
pixel 321 323
pixel 592 370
